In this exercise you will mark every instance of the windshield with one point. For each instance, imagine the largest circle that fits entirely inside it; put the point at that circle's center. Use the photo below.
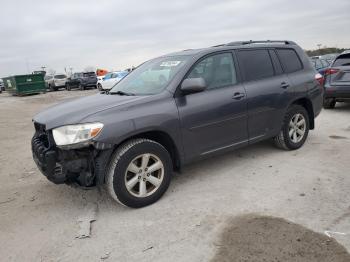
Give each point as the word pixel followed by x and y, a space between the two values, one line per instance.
pixel 152 77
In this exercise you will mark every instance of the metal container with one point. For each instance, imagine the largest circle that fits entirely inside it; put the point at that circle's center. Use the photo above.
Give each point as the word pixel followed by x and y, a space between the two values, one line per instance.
pixel 25 84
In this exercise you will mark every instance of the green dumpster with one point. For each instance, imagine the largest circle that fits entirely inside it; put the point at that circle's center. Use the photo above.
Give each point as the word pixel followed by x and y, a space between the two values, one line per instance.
pixel 25 84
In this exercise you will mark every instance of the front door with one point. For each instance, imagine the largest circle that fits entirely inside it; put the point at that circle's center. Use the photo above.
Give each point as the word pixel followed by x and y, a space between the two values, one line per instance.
pixel 215 119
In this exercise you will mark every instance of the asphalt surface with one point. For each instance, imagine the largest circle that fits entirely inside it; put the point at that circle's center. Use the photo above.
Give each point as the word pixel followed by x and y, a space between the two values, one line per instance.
pixel 40 221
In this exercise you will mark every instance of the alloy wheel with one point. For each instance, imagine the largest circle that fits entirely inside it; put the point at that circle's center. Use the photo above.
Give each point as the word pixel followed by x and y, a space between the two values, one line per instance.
pixel 144 175
pixel 297 127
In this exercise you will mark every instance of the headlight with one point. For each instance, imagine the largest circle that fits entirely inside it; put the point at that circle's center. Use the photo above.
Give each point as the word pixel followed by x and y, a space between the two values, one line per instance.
pixel 73 134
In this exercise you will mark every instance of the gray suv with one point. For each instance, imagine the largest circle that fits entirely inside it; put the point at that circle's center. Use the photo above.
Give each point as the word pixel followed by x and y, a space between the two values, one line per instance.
pixel 176 109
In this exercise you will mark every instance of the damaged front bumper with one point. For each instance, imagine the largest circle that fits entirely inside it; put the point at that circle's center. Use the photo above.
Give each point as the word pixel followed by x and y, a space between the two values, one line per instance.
pixel 84 166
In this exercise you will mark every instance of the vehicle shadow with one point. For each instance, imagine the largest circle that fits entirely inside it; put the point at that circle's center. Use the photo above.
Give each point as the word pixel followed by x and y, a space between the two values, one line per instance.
pixel 342 107
pixel 78 197
pixel 208 167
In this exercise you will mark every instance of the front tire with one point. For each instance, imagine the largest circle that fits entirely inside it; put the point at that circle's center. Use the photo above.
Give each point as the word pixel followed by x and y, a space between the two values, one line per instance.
pixel 295 129
pixel 81 87
pixel 139 173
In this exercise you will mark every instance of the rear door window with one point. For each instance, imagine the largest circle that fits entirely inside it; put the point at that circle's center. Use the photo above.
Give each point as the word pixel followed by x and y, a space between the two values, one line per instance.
pixel 255 64
pixel 290 60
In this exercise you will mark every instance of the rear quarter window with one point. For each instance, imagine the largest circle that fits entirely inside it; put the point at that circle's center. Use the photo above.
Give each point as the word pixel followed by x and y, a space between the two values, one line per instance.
pixel 255 64
pixel 290 60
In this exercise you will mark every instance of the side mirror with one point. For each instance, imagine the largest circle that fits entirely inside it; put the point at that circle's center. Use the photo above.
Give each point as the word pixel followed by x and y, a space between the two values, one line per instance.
pixel 193 85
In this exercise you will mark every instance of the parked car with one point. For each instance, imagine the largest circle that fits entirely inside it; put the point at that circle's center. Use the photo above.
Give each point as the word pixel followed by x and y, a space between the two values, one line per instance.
pixel 111 79
pixel 329 57
pixel 337 81
pixel 99 81
pixel 320 65
pixel 48 79
pixel 2 86
pixel 82 81
pixel 176 109
pixel 54 82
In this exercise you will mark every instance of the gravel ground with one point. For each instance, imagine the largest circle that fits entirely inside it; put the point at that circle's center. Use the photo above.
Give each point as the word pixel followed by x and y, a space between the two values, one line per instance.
pixel 40 221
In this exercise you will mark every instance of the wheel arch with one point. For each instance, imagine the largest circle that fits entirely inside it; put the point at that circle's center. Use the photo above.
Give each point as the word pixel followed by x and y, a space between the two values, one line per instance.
pixel 307 104
pixel 162 138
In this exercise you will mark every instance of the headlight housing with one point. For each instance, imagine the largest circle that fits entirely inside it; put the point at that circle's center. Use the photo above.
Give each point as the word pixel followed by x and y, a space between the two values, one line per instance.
pixel 74 134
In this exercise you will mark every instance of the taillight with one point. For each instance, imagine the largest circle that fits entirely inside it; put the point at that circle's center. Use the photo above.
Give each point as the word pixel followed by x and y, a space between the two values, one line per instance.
pixel 330 71
pixel 319 79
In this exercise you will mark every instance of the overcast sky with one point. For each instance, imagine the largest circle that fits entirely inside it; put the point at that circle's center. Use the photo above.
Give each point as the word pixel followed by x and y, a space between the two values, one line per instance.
pixel 116 34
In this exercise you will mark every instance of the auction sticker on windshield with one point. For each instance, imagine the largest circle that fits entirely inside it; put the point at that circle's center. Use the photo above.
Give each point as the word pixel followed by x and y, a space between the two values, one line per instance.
pixel 170 63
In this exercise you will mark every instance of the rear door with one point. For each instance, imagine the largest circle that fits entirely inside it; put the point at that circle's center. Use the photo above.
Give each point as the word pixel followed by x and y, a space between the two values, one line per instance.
pixel 215 119
pixel 268 91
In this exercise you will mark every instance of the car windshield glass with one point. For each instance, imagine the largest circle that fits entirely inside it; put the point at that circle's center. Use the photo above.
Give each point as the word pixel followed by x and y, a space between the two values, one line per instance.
pixel 152 77
pixel 89 74
pixel 60 76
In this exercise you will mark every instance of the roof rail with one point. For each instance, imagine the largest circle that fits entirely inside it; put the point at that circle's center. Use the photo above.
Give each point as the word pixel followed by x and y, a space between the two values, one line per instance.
pixel 286 42
pixel 219 45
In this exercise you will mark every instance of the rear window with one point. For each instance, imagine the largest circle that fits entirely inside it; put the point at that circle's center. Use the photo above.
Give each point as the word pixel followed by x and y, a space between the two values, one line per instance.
pixel 290 60
pixel 256 64
pixel 342 60
pixel 90 74
pixel 60 76
pixel 48 77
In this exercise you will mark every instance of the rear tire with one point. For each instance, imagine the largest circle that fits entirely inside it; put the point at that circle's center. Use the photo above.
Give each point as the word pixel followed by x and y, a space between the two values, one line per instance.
pixel 81 87
pixel 99 86
pixel 329 103
pixel 295 128
pixel 129 179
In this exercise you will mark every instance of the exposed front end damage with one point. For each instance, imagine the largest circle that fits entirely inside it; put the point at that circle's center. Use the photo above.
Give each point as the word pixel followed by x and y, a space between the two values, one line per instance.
pixel 84 166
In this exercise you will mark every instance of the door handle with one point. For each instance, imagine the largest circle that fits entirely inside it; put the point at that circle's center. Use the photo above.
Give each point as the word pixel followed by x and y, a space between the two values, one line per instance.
pixel 284 85
pixel 238 96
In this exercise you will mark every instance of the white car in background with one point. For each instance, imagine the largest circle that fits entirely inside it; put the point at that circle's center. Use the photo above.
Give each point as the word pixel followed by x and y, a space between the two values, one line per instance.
pixel 54 82
pixel 99 80
pixel 110 79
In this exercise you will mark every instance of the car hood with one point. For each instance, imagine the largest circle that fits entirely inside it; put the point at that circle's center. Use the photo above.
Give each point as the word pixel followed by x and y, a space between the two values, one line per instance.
pixel 76 110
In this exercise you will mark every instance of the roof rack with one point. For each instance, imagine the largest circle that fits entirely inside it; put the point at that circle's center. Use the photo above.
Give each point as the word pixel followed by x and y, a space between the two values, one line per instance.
pixel 286 42
pixel 219 45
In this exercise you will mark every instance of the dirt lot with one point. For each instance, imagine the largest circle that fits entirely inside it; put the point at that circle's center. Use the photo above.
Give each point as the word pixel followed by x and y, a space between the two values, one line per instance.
pixel 196 220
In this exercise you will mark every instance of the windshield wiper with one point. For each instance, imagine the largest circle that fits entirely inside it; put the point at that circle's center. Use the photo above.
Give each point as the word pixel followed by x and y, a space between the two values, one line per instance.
pixel 121 93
